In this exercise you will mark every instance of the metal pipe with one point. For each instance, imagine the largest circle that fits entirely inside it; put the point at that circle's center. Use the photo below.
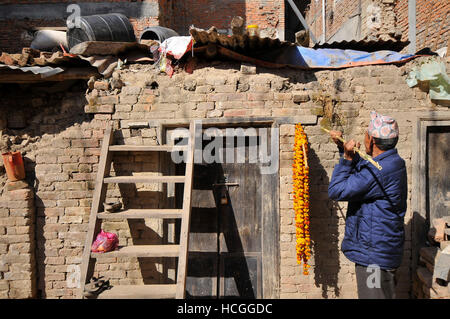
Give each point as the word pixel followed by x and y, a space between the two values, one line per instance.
pixel 324 24
pixel 302 20
pixel 412 26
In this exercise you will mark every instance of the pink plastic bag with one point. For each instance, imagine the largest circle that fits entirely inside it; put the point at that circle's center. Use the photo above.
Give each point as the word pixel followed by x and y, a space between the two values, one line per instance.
pixel 105 242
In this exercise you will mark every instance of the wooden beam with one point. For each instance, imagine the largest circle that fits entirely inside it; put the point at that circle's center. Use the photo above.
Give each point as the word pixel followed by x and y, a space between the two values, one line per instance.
pixel 186 219
pixel 90 48
pixel 18 76
pixel 50 28
pixel 412 31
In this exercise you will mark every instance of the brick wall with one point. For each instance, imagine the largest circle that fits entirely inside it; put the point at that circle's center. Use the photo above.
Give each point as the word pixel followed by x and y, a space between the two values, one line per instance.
pixel 17 244
pixel 62 159
pixel 267 14
pixel 16 33
pixel 433 22
pixel 341 11
pixel 178 15
pixel 338 12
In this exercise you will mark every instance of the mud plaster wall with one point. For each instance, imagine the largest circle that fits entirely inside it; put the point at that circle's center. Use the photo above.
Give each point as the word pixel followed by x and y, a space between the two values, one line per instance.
pixel 62 146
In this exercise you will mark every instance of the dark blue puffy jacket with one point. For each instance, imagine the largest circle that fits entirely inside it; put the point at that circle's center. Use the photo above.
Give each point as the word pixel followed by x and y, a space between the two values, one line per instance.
pixel 374 231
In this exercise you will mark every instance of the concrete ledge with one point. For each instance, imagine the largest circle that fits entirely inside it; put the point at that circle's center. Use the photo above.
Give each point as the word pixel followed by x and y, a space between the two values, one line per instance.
pixel 245 121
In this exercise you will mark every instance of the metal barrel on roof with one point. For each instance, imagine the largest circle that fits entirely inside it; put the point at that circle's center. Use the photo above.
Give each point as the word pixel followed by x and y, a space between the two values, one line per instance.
pixel 105 27
pixel 157 33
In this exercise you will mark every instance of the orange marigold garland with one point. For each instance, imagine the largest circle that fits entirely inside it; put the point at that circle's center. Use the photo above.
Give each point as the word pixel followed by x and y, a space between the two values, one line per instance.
pixel 301 197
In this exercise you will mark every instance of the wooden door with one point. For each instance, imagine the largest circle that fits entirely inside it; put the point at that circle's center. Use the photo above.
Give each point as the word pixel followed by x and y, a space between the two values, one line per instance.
pixel 438 186
pixel 240 226
pixel 226 256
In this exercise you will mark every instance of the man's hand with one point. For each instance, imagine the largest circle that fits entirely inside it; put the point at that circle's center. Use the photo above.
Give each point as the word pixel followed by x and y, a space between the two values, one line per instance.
pixel 349 153
pixel 334 135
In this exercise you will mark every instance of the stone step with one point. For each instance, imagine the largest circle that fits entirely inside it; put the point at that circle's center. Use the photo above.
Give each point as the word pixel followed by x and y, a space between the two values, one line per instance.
pixel 147 148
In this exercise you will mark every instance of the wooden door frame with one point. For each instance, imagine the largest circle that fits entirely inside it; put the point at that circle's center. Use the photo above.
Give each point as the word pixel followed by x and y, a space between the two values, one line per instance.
pixel 419 182
pixel 270 186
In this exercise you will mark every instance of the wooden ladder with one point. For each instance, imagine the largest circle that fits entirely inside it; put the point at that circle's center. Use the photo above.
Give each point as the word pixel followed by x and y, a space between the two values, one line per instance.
pixel 157 291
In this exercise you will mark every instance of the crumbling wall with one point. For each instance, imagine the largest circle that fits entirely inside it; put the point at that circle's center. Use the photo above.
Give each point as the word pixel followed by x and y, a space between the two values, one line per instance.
pixel 379 20
pixel 69 127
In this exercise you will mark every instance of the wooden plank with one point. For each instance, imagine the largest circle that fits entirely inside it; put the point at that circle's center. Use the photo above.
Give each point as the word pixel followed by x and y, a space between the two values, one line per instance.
pixel 87 267
pixel 144 179
pixel 142 213
pixel 237 121
pixel 140 292
pixel 50 28
pixel 90 48
pixel 145 251
pixel 185 222
pixel 270 193
pixel 18 76
pixel 146 148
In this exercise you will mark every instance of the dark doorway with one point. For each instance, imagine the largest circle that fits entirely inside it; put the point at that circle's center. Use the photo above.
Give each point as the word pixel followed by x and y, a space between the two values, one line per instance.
pixel 293 24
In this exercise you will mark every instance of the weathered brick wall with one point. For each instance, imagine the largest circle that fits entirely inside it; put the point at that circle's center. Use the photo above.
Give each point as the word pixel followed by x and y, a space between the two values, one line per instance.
pixel 338 12
pixel 16 33
pixel 341 11
pixel 267 14
pixel 65 157
pixel 433 22
pixel 179 15
pixel 17 244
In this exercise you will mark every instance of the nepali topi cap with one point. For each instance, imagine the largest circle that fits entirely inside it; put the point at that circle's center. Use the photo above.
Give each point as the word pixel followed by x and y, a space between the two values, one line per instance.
pixel 382 126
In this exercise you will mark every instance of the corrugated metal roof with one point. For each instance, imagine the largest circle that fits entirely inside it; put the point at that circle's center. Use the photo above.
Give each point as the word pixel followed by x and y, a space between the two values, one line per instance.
pixel 44 71
pixel 365 45
pixel 241 43
pixel 31 57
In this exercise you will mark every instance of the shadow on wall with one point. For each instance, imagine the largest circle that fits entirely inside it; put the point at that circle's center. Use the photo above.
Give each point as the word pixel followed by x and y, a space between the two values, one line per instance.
pixel 35 113
pixel 324 229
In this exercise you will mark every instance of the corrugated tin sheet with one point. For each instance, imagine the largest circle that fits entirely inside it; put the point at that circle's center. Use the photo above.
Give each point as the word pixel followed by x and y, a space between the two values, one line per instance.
pixel 31 57
pixel 44 71
pixel 240 43
pixel 365 45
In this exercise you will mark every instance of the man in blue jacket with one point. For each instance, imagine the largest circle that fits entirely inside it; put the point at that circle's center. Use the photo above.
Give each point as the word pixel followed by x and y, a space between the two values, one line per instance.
pixel 374 232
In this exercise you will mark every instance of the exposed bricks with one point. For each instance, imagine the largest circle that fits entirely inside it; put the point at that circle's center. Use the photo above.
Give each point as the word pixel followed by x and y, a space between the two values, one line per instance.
pixel 17 259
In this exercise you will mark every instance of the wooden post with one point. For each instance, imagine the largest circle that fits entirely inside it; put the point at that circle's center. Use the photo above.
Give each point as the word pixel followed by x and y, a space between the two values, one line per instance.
pixel 186 218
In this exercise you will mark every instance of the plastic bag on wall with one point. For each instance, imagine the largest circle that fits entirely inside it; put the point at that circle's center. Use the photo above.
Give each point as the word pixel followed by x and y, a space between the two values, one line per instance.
pixel 105 242
pixel 434 72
